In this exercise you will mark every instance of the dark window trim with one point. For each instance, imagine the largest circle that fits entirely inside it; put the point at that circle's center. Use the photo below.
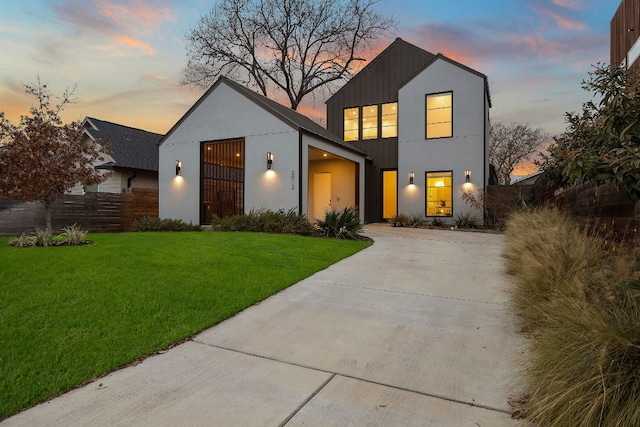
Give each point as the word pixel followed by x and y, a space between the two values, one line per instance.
pixel 380 121
pixel 426 194
pixel 359 123
pixel 426 112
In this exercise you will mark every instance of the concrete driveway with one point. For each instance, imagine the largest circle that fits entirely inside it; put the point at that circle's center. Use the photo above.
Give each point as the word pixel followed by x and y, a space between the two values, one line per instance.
pixel 409 332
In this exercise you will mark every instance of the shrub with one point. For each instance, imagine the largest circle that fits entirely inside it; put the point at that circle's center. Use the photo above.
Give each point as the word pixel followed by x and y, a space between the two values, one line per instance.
pixel 23 241
pixel 43 238
pixel 466 221
pixel 584 363
pixel 74 235
pixel 344 224
pixel 437 222
pixel 400 220
pixel 151 223
pixel 266 221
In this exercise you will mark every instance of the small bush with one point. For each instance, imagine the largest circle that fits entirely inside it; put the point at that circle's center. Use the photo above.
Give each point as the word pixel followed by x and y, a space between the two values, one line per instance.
pixel 584 363
pixel 266 221
pixel 466 221
pixel 74 235
pixel 24 240
pixel 43 238
pixel 437 222
pixel 151 223
pixel 344 224
pixel 400 220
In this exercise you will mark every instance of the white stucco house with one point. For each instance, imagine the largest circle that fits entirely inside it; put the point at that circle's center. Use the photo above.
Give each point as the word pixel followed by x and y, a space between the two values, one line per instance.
pixel 236 150
pixel 423 121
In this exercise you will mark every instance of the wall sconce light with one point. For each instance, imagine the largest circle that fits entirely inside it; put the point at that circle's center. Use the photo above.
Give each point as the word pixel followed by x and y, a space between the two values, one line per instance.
pixel 467 175
pixel 269 160
pixel 411 176
pixel 178 167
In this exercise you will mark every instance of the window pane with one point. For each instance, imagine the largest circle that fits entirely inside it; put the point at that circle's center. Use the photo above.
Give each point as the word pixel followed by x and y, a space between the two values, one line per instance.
pixel 351 121
pixel 439 194
pixel 370 122
pixel 439 115
pixel 390 120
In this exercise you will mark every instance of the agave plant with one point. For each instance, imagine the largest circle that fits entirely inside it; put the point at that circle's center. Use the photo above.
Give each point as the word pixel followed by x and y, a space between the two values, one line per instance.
pixel 344 224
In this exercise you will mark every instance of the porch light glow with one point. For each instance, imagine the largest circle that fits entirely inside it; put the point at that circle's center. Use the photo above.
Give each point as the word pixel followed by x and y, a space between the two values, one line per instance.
pixel 467 175
pixel 178 167
pixel 411 176
pixel 269 160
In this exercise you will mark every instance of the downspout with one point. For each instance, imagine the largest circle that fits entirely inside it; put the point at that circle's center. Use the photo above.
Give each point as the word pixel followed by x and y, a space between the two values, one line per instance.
pixel 135 173
pixel 299 171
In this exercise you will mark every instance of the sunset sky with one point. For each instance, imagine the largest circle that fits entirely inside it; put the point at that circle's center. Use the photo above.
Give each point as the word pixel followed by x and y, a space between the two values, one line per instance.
pixel 127 56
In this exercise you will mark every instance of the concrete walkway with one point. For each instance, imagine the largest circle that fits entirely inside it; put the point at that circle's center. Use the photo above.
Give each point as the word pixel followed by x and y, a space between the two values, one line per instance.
pixel 409 332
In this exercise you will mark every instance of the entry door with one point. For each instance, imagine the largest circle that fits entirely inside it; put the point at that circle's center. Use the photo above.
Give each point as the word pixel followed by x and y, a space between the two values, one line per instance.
pixel 321 194
pixel 389 194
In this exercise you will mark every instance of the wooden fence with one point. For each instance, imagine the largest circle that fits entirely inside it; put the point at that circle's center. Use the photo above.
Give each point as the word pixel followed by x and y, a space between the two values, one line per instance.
pixel 96 212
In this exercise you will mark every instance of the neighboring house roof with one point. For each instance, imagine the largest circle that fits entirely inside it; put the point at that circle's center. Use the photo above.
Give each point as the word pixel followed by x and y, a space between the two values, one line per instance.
pixel 525 179
pixel 286 114
pixel 131 148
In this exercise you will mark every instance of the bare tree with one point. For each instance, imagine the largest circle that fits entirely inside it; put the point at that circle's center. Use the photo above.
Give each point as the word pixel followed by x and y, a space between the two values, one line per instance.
pixel 41 158
pixel 297 46
pixel 511 145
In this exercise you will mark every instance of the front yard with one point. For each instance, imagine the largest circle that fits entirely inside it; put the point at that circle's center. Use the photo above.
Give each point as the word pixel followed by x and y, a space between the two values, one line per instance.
pixel 70 314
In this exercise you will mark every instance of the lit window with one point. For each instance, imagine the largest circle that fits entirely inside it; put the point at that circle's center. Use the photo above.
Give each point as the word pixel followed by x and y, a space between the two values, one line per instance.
pixel 351 121
pixel 439 115
pixel 370 122
pixel 439 194
pixel 390 120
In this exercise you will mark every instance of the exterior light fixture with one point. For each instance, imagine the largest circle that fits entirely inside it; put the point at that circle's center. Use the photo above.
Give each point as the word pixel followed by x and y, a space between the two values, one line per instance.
pixel 178 167
pixel 467 175
pixel 411 176
pixel 269 160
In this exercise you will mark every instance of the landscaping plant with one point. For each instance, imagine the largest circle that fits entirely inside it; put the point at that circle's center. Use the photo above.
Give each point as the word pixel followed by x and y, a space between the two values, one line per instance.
pixel 584 366
pixel 343 224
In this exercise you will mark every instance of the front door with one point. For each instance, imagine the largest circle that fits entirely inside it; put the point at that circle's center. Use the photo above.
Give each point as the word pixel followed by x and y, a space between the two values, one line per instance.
pixel 389 194
pixel 321 194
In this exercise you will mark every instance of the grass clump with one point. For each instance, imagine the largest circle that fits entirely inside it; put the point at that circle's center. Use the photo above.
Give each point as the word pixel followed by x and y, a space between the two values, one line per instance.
pixel 403 220
pixel 585 347
pixel 77 312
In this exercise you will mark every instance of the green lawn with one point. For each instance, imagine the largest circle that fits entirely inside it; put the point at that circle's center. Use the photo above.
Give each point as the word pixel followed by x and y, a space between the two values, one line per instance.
pixel 69 314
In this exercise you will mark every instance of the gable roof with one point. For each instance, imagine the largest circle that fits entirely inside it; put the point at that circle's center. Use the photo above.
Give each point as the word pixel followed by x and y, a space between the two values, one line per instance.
pixel 457 64
pixel 130 147
pixel 398 62
pixel 286 114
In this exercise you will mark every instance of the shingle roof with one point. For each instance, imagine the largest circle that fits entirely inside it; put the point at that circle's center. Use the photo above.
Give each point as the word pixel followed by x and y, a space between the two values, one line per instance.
pixel 292 117
pixel 130 147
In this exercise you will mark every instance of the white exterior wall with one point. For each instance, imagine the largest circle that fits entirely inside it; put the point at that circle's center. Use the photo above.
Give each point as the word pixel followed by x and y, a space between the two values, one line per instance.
pixel 465 150
pixel 341 174
pixel 226 114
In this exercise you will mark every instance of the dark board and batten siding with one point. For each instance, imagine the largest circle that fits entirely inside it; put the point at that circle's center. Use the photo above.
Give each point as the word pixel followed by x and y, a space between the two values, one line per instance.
pixel 626 18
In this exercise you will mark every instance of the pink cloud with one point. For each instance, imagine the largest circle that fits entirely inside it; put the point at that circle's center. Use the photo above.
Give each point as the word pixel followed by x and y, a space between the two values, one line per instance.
pixel 564 23
pixel 567 4
pixel 136 44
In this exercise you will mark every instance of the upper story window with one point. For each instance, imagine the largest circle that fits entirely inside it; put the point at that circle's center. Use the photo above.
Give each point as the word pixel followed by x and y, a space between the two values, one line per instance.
pixel 439 115
pixel 390 120
pixel 370 122
pixel 351 124
pixel 367 123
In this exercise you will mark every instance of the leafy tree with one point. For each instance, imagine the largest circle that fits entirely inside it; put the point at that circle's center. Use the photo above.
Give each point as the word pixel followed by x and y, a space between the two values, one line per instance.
pixel 297 46
pixel 602 143
pixel 512 144
pixel 41 158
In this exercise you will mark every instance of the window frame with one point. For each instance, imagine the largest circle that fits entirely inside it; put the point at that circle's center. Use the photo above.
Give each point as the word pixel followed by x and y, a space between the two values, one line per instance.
pixel 382 115
pixel 449 210
pixel 377 121
pixel 358 125
pixel 426 115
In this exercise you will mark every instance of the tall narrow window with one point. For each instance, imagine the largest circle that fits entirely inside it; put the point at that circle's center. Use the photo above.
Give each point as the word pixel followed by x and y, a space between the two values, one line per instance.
pixel 370 122
pixel 439 194
pixel 351 122
pixel 222 179
pixel 439 117
pixel 390 120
